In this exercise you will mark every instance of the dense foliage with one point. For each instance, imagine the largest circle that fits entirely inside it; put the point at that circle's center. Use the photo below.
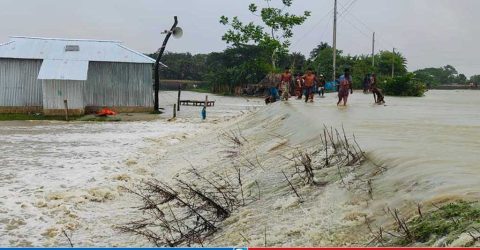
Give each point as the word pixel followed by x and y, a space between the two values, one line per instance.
pixel 183 66
pixel 321 59
pixel 249 64
pixel 475 79
pixel 260 48
pixel 440 76
pixel 245 64
pixel 406 85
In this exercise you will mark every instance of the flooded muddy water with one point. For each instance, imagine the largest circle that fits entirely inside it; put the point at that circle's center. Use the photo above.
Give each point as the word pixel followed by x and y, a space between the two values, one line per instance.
pixel 431 142
pixel 66 175
pixel 54 174
pixel 428 146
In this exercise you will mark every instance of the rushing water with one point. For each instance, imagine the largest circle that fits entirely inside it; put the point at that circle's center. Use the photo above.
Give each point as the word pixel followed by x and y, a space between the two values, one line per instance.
pixel 429 147
pixel 54 173
pixel 434 139
pixel 431 142
pixel 43 164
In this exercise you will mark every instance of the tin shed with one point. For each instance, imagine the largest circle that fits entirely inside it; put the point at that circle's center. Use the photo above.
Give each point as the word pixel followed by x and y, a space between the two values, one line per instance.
pixel 39 74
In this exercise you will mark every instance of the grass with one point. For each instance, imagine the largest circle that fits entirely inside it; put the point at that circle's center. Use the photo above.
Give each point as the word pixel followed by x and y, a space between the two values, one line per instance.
pixel 34 117
pixel 449 221
pixel 94 118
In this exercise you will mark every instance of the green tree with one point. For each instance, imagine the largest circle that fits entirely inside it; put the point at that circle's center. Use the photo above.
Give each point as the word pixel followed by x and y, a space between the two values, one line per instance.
pixel 273 34
pixel 316 51
pixel 237 66
pixel 321 60
pixel 461 79
pixel 295 61
pixel 475 79
pixel 183 66
pixel 384 61
pixel 361 66
pixel 406 85
pixel 444 75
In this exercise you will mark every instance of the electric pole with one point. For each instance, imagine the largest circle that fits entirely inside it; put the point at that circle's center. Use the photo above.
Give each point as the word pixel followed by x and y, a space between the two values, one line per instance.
pixel 393 63
pixel 335 41
pixel 373 50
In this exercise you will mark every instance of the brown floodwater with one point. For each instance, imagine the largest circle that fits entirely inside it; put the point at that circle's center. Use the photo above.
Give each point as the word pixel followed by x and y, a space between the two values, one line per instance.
pixel 57 174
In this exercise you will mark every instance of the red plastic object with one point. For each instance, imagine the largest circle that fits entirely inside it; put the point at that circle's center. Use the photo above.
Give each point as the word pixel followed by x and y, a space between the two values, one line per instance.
pixel 106 112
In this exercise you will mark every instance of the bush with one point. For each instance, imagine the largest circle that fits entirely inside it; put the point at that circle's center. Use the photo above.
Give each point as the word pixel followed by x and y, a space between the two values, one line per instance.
pixel 406 85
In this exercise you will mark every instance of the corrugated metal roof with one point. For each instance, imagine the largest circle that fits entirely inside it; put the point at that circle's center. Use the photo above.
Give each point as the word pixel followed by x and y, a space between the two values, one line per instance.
pixel 54 49
pixel 63 70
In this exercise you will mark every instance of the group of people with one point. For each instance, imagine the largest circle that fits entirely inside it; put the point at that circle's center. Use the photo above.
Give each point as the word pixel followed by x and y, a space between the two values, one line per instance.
pixel 308 84
pixel 299 85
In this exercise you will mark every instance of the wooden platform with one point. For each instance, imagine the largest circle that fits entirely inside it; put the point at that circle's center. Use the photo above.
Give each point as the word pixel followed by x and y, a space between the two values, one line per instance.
pixel 196 103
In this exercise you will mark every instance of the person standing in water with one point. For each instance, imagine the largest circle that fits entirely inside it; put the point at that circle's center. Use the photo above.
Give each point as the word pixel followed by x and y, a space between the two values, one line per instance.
pixel 366 83
pixel 377 93
pixel 345 87
pixel 285 81
pixel 321 86
pixel 204 113
pixel 309 79
pixel 298 86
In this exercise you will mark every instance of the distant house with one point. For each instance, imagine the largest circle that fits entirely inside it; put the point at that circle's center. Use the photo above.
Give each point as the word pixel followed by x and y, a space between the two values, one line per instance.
pixel 39 74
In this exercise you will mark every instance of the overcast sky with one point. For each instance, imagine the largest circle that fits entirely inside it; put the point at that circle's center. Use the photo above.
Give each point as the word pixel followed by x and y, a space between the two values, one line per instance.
pixel 428 32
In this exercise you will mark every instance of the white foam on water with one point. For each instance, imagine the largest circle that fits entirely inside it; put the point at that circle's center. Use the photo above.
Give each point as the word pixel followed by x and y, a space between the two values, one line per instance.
pixel 70 173
pixel 59 175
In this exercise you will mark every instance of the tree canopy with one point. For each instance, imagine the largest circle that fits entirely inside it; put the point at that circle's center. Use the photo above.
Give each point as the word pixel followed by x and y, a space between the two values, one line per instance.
pixel 443 75
pixel 249 64
pixel 273 33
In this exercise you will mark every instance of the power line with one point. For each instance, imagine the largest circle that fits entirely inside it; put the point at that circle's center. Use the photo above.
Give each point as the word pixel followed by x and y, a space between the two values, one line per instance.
pixel 383 42
pixel 313 28
pixel 349 5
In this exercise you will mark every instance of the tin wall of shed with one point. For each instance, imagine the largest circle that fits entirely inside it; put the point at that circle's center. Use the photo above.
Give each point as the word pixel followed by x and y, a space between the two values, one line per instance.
pixel 113 84
pixel 19 86
pixel 55 92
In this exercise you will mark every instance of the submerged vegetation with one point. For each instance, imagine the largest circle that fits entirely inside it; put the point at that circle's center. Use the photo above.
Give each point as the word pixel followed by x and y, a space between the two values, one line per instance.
pixel 449 222
pixel 191 208
pixel 454 224
pixel 406 85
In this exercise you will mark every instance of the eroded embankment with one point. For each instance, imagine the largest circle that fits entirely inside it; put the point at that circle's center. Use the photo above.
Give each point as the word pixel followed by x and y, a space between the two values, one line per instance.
pixel 351 204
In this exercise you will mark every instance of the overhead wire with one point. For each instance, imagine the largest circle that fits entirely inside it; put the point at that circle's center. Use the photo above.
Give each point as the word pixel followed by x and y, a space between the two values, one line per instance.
pixel 379 38
pixel 346 10
pixel 313 28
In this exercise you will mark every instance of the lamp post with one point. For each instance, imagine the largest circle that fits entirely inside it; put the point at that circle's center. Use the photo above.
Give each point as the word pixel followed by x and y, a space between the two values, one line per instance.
pixel 177 33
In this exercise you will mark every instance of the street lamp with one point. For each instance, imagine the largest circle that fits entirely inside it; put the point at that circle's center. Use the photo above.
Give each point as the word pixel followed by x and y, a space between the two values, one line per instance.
pixel 177 32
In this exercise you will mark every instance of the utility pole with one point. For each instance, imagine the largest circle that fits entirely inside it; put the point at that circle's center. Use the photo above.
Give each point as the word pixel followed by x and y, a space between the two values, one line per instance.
pixel 373 50
pixel 335 41
pixel 393 63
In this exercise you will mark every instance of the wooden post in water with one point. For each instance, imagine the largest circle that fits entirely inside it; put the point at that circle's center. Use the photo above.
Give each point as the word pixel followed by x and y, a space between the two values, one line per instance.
pixel 206 101
pixel 178 99
pixel 65 103
pixel 174 110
